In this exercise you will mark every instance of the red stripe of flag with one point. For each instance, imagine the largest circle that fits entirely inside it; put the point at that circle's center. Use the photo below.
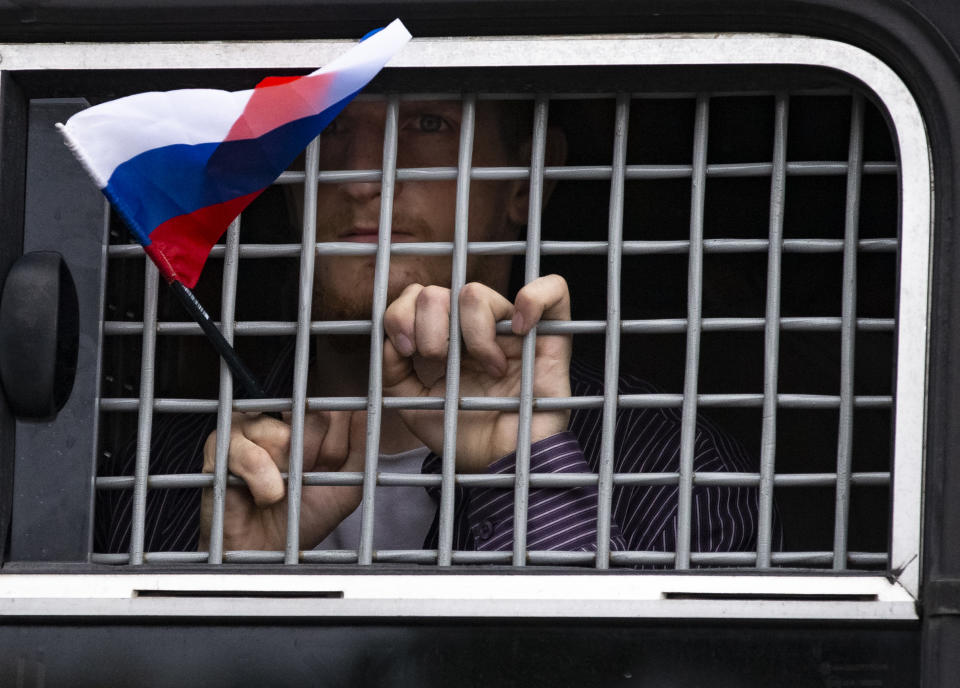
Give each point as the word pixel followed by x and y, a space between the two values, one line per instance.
pixel 276 101
pixel 186 240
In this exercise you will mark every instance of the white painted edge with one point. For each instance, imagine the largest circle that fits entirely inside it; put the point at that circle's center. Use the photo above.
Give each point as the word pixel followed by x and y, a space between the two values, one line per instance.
pixel 439 595
pixel 743 610
pixel 719 49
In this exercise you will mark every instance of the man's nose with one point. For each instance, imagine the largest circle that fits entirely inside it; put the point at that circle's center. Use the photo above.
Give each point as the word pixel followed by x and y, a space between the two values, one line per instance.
pixel 365 153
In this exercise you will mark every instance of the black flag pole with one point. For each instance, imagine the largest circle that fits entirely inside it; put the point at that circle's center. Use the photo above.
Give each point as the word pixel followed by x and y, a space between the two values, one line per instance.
pixel 251 387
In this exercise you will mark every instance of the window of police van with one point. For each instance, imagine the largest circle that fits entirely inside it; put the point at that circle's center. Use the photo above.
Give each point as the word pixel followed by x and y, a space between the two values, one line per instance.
pixel 643 310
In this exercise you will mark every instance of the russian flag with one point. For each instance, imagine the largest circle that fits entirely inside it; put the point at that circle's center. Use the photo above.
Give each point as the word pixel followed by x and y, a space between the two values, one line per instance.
pixel 179 166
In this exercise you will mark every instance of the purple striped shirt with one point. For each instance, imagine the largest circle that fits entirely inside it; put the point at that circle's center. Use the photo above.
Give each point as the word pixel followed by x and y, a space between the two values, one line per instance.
pixel 644 517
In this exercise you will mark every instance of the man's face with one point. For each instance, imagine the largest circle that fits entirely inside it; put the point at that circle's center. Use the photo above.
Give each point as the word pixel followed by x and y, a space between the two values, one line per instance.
pixel 428 136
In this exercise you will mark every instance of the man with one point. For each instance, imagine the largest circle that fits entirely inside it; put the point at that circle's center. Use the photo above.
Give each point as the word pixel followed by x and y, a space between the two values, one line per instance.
pixel 417 324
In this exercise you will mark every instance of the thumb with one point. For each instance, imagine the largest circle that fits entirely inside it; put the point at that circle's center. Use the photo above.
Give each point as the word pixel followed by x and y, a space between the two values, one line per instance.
pixel 399 377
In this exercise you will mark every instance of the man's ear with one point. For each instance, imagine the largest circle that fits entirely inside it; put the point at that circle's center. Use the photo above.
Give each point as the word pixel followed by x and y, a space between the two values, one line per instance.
pixel 555 154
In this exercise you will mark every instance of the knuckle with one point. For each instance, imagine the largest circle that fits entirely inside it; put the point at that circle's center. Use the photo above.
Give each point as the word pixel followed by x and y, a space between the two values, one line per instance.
pixel 392 320
pixel 525 298
pixel 248 460
pixel 433 348
pixel 265 430
pixel 559 281
pixel 472 293
pixel 244 423
pixel 415 287
pixel 541 293
pixel 433 295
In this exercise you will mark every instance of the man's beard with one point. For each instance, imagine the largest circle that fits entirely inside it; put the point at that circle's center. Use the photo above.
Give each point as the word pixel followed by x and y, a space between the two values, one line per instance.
pixel 351 296
pixel 334 301
pixel 345 290
pixel 330 304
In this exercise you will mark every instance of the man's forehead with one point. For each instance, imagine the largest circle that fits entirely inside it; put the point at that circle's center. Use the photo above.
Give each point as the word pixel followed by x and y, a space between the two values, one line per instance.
pixel 378 106
pixel 448 107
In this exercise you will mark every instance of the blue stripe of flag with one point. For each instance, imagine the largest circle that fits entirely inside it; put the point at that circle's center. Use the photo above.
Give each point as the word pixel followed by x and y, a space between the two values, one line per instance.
pixel 163 183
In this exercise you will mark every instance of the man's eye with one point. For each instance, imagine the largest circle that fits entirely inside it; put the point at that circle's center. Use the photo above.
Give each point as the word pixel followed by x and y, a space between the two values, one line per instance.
pixel 431 123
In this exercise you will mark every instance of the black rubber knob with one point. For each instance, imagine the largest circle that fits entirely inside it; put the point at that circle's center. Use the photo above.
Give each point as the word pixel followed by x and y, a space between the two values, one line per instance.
pixel 39 335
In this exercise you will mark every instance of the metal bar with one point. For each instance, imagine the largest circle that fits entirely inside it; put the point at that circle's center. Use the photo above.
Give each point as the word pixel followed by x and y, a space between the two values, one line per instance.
pixel 253 557
pixel 458 274
pixel 826 558
pixel 791 479
pixel 794 559
pixel 461 557
pixel 820 168
pixel 301 355
pixel 688 428
pixel 406 556
pixel 848 335
pixel 796 401
pixel 768 440
pixel 643 558
pixel 505 480
pixel 647 326
pixel 175 557
pixel 611 361
pixel 521 490
pixel 634 247
pixel 876 478
pixel 245 328
pixel 330 556
pixel 145 408
pixel 225 406
pixel 381 281
pixel 594 95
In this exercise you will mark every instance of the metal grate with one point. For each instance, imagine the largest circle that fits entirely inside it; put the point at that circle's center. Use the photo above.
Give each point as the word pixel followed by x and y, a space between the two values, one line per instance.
pixel 804 229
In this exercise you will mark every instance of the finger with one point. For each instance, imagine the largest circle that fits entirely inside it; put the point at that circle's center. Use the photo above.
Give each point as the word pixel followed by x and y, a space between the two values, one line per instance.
pixel 334 429
pixel 271 434
pixel 399 320
pixel 433 322
pixel 398 377
pixel 258 469
pixel 238 420
pixel 210 452
pixel 480 309
pixel 544 298
pixel 237 423
pixel 259 450
pixel 429 371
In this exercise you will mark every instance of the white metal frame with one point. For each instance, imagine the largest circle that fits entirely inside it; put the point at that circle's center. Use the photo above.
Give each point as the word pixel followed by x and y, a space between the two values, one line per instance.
pixel 615 596
pixel 748 595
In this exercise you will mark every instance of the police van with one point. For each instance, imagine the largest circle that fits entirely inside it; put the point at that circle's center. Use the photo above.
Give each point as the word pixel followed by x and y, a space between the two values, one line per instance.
pixel 753 211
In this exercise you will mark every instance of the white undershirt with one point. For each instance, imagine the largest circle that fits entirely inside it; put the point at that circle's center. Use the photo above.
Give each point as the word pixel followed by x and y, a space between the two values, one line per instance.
pixel 402 515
